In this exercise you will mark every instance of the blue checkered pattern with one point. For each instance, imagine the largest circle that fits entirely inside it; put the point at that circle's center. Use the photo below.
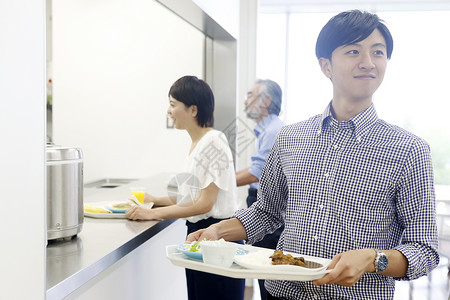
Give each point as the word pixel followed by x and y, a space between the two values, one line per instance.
pixel 357 184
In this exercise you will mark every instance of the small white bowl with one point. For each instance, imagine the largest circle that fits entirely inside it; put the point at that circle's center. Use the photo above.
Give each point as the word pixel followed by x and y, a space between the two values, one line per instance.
pixel 219 253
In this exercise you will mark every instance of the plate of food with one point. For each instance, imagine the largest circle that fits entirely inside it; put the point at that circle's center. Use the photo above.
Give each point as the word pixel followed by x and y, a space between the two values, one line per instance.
pixel 99 210
pixel 120 207
pixel 103 210
pixel 193 250
pixel 111 210
pixel 277 260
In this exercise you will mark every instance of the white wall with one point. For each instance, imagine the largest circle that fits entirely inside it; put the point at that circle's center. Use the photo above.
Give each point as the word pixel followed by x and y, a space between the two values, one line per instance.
pixel 22 167
pixel 113 64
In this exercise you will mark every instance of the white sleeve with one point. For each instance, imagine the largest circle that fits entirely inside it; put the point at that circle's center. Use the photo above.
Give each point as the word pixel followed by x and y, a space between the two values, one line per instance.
pixel 214 163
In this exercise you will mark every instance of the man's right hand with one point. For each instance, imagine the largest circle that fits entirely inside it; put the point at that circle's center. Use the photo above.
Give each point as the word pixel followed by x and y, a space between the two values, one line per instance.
pixel 229 230
pixel 209 234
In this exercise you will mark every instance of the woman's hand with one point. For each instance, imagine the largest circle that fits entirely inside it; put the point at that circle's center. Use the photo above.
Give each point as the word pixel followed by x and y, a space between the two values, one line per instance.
pixel 137 212
pixel 348 267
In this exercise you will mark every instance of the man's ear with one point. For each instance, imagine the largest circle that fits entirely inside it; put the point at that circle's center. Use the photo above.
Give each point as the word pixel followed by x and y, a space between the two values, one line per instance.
pixel 325 66
pixel 267 101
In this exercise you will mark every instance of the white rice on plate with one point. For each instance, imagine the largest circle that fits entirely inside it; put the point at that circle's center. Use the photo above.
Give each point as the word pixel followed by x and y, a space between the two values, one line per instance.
pixel 260 258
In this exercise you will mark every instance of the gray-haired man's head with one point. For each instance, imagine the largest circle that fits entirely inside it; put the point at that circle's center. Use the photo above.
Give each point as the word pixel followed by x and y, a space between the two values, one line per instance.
pixel 263 98
pixel 271 89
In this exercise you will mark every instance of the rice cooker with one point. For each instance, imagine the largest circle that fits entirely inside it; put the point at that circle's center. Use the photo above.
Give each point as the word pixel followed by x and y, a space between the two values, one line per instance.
pixel 64 192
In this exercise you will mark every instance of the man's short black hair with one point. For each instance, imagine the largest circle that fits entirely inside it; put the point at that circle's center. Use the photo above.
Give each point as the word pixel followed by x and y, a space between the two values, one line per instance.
pixel 193 91
pixel 350 27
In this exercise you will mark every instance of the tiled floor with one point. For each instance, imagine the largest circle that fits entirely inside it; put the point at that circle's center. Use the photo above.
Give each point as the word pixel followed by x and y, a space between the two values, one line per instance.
pixel 435 286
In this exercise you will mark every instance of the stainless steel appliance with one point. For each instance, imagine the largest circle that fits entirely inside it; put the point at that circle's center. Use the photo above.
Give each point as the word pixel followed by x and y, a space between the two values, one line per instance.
pixel 64 192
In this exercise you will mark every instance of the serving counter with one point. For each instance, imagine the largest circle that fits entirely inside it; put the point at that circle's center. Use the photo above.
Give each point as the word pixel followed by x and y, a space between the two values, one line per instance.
pixel 117 258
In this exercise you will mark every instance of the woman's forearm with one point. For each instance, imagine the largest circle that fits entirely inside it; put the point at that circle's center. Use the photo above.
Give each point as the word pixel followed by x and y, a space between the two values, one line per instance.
pixel 161 201
pixel 195 207
pixel 184 210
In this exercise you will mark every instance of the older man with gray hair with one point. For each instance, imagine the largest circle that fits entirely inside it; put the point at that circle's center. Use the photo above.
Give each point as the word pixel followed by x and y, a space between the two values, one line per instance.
pixel 263 105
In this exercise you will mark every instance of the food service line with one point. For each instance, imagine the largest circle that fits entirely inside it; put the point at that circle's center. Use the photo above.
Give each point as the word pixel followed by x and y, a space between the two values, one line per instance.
pixel 102 242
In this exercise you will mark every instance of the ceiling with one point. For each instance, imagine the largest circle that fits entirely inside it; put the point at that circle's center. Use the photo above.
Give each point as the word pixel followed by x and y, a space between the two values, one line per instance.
pixel 297 6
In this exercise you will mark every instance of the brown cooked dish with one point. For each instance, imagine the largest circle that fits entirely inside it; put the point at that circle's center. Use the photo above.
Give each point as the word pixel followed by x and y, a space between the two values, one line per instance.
pixel 278 258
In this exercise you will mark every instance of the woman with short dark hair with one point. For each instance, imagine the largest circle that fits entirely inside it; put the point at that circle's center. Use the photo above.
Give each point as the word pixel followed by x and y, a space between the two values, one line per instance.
pixel 207 191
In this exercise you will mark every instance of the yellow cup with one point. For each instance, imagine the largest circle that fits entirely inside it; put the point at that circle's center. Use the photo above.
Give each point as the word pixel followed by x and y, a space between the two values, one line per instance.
pixel 139 193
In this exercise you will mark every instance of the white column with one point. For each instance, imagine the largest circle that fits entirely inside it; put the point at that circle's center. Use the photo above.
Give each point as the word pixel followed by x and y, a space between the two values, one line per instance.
pixel 246 73
pixel 22 151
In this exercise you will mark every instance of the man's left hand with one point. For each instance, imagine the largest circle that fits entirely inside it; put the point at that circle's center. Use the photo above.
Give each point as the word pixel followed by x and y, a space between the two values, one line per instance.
pixel 348 267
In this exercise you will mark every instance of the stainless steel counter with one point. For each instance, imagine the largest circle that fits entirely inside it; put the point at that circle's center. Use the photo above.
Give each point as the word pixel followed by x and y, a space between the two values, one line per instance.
pixel 102 242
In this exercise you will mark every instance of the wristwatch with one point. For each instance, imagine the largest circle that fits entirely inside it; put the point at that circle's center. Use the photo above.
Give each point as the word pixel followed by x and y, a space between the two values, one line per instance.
pixel 381 261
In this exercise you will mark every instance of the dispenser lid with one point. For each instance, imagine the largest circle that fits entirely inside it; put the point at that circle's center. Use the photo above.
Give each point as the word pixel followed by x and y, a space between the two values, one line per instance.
pixel 59 153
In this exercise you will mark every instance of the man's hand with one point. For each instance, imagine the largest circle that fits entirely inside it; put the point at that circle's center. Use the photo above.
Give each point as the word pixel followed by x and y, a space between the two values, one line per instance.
pixel 209 234
pixel 230 230
pixel 348 267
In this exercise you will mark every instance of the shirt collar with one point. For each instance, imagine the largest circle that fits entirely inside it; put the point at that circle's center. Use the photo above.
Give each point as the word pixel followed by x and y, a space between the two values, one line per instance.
pixel 261 126
pixel 361 122
pixel 325 118
pixel 364 121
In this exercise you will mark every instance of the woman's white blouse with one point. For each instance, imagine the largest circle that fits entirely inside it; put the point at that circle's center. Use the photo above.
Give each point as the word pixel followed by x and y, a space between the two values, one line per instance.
pixel 210 161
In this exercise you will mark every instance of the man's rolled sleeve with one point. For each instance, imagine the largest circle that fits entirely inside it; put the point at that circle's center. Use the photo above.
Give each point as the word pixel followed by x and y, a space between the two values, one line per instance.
pixel 421 259
pixel 256 166
pixel 417 211
pixel 247 218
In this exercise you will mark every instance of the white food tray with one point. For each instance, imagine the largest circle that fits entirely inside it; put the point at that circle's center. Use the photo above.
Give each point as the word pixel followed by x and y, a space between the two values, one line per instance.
pixel 237 271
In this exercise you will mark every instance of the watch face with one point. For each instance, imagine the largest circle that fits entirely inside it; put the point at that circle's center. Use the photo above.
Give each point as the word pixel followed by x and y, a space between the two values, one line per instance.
pixel 382 262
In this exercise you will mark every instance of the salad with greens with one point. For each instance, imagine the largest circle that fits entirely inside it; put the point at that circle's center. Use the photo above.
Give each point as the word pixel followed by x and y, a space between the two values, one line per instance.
pixel 194 246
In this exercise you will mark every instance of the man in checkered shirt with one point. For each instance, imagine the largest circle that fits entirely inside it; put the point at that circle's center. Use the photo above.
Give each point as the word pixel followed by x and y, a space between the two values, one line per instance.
pixel 347 185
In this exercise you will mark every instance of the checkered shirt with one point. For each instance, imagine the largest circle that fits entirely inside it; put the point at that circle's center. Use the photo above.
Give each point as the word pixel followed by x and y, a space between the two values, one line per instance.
pixel 356 184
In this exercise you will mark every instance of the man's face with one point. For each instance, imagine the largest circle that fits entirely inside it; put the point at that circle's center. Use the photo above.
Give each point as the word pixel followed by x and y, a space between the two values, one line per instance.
pixel 253 104
pixel 357 70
